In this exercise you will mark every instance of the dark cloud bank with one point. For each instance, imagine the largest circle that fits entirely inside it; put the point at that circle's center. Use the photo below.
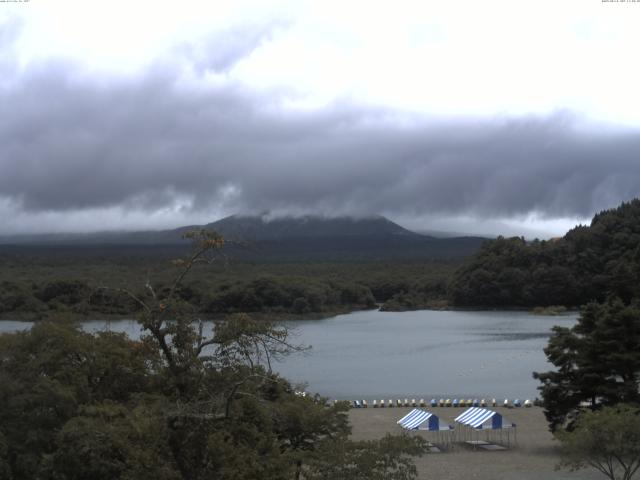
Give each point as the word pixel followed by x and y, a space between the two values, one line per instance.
pixel 71 141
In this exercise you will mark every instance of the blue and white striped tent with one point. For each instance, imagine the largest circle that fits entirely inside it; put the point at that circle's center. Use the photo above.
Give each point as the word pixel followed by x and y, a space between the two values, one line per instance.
pixel 481 421
pixel 418 419
pixel 476 417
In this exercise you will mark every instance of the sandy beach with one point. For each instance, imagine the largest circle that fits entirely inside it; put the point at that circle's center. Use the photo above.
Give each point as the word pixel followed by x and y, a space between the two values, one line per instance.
pixel 534 457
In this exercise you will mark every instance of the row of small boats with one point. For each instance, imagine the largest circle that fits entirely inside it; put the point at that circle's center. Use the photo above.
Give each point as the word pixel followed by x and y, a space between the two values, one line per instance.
pixel 442 403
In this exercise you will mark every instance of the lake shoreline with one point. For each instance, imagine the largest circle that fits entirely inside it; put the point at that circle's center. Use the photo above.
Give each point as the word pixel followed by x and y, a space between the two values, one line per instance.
pixel 370 354
pixel 32 317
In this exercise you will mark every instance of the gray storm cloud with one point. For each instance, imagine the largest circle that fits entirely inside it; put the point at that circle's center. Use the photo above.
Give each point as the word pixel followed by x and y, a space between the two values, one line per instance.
pixel 70 141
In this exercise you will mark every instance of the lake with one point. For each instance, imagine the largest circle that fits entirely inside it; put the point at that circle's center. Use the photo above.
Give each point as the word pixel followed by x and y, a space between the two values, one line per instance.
pixel 372 354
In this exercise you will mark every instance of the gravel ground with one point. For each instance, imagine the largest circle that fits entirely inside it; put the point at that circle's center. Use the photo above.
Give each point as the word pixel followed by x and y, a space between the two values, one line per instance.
pixel 534 457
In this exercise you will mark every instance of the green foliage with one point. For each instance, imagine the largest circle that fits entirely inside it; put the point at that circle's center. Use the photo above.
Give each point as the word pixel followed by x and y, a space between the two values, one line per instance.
pixel 588 263
pixel 75 405
pixel 33 288
pixel 112 440
pixel 607 440
pixel 287 294
pixel 508 272
pixel 20 299
pixel 389 458
pixel 301 425
pixel 66 292
pixel 49 372
pixel 597 361
pixel 5 468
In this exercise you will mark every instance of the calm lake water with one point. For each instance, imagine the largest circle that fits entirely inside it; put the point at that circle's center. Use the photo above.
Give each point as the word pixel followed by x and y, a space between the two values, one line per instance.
pixel 426 353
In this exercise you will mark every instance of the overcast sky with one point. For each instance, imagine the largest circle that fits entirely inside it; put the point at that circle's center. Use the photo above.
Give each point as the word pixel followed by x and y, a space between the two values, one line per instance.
pixel 513 117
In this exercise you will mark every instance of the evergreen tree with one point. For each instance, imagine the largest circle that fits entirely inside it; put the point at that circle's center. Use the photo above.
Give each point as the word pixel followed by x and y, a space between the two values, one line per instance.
pixel 597 361
pixel 589 263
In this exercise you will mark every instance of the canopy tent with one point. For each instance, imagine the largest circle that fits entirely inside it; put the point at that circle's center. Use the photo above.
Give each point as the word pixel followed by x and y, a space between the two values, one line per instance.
pixel 478 419
pixel 416 420
pixel 428 423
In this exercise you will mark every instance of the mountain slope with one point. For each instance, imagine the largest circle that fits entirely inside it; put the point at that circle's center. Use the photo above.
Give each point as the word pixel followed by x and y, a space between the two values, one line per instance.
pixel 262 228
pixel 286 238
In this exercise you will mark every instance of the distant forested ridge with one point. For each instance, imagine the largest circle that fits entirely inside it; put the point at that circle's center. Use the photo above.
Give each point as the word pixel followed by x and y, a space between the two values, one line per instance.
pixel 588 263
pixel 310 265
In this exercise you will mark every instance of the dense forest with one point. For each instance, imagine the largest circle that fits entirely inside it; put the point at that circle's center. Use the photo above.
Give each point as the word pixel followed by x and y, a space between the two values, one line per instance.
pixel 588 263
pixel 40 287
